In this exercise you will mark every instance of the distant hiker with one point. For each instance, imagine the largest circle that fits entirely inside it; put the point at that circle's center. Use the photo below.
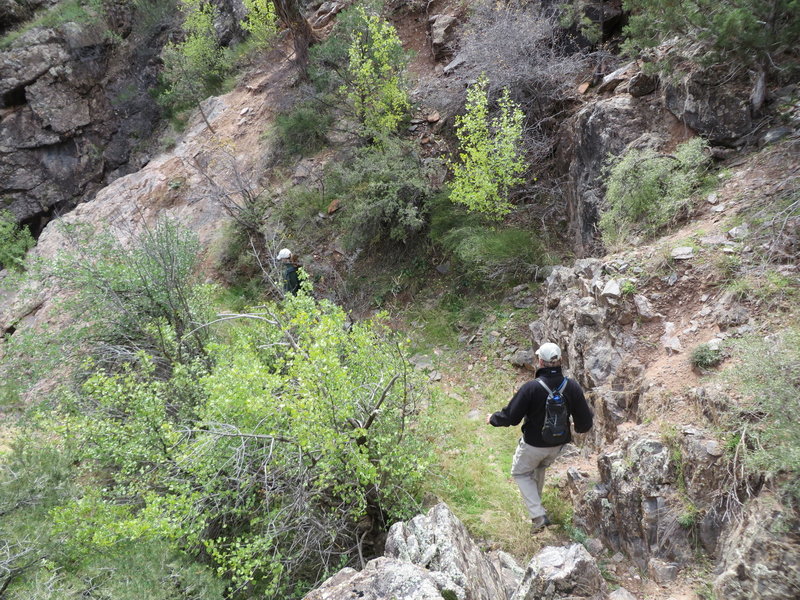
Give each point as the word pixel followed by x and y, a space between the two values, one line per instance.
pixel 537 449
pixel 291 278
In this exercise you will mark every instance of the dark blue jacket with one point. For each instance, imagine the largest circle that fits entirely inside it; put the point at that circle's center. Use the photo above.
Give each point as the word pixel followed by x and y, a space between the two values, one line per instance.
pixel 528 403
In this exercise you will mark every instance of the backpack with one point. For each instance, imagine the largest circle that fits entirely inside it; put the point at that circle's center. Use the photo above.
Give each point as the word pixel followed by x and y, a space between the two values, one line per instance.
pixel 556 418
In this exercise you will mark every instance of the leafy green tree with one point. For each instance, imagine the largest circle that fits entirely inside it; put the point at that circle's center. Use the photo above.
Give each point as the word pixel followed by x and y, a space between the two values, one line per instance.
pixel 194 68
pixel 490 158
pixel 752 32
pixel 260 21
pixel 15 241
pixel 376 63
pixel 304 437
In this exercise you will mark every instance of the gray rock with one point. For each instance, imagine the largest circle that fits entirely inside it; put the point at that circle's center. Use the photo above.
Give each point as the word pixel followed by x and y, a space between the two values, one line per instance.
pixel 670 340
pixel 682 253
pixel 58 105
pixel 510 572
pixel 561 572
pixel 454 64
pixel 594 546
pixel 525 359
pixel 642 84
pixel 662 572
pixel 439 542
pixel 423 362
pixel 325 13
pixel 441 34
pixel 643 307
pixel 719 113
pixel 611 289
pixel 734 316
pixel 386 578
pixel 621 594
pixel 740 232
pixel 613 79
pixel 776 134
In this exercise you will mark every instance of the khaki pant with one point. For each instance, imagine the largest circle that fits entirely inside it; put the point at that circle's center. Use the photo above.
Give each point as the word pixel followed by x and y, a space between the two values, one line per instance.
pixel 530 463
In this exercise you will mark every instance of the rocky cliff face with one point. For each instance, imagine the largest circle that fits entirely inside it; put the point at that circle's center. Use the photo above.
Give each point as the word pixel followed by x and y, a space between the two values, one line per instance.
pixel 631 109
pixel 76 103
pixel 74 106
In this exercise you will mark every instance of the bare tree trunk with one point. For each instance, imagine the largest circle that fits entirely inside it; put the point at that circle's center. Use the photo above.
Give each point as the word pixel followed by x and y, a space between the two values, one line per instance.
pixel 288 12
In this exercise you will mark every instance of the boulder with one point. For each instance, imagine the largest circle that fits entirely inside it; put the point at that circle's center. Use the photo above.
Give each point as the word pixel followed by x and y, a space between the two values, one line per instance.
pixel 439 542
pixel 386 578
pixel 682 253
pixel 525 359
pixel 441 35
pixel 642 84
pixel 720 113
pixel 643 308
pixel 560 573
pixel 662 572
pixel 613 79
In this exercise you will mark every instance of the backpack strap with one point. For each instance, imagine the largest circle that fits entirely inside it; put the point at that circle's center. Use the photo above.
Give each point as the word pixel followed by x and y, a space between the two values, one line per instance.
pixel 550 392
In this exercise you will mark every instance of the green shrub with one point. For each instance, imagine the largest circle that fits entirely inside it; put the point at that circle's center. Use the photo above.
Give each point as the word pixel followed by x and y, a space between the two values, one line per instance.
pixel 490 158
pixel 495 253
pixel 383 191
pixel 766 374
pixel 705 357
pixel 260 21
pixel 142 298
pixel 15 242
pixel 196 67
pixel 303 129
pixel 306 431
pixel 646 190
pixel 484 253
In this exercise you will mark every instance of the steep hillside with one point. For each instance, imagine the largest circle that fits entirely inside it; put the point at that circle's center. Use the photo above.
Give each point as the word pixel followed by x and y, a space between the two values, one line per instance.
pixel 174 427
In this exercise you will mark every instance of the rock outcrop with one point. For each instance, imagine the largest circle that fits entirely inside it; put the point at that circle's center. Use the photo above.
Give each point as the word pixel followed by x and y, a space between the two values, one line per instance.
pixel 558 572
pixel 432 556
pixel 385 578
pixel 720 113
pixel 439 542
pixel 76 108
pixel 656 499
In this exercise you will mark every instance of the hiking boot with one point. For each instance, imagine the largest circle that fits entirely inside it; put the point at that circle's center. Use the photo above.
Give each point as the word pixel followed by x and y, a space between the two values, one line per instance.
pixel 539 523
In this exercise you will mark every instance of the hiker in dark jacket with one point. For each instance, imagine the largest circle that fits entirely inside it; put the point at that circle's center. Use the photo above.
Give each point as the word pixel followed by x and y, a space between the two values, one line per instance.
pixel 533 454
pixel 291 278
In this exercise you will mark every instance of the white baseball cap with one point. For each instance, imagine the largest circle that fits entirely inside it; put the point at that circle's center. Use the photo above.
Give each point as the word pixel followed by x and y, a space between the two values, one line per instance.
pixel 284 254
pixel 549 352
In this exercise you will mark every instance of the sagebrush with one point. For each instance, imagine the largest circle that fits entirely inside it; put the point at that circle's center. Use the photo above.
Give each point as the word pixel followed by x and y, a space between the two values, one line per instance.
pixel 647 190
